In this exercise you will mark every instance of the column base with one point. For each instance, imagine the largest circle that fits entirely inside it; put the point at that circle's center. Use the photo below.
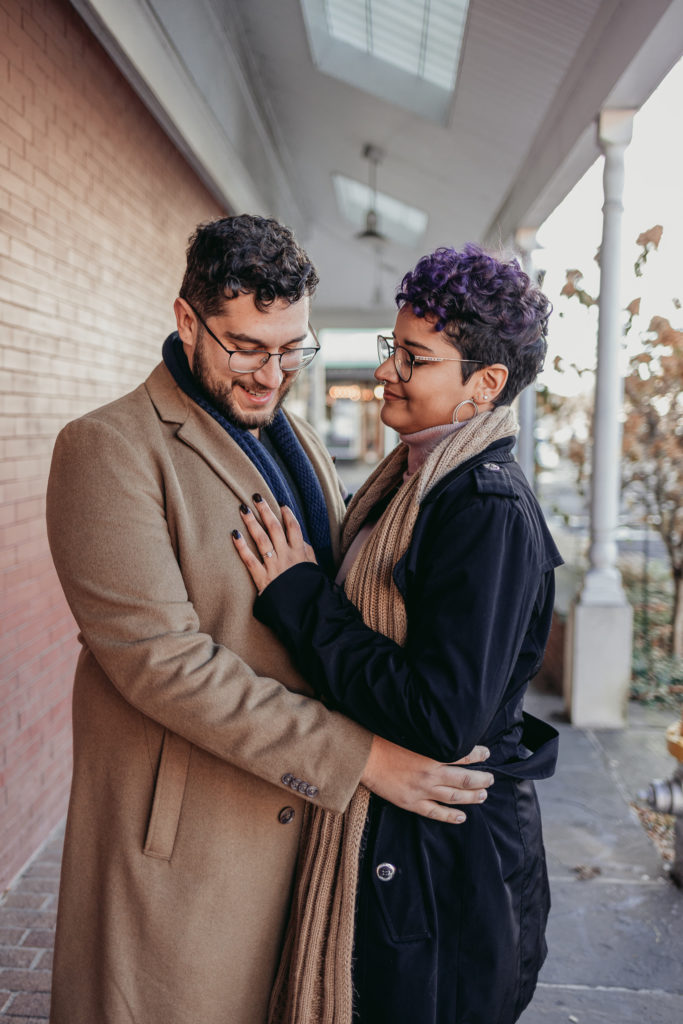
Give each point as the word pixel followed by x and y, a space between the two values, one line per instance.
pixel 598 665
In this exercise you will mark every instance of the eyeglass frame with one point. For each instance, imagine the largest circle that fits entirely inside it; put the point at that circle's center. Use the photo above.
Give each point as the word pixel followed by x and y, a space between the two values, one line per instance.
pixel 383 339
pixel 259 351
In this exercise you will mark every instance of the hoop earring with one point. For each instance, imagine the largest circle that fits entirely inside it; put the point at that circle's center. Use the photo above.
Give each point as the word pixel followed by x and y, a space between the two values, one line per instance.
pixel 465 401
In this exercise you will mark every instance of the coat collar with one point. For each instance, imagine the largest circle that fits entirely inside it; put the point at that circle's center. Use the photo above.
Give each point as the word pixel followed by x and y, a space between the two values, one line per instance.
pixel 498 452
pixel 206 437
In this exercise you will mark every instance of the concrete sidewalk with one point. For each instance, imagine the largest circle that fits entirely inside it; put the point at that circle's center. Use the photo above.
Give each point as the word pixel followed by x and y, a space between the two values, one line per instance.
pixel 27 931
pixel 615 938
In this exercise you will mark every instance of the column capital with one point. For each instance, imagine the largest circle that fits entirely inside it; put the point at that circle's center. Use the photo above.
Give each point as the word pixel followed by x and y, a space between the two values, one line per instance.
pixel 526 241
pixel 615 127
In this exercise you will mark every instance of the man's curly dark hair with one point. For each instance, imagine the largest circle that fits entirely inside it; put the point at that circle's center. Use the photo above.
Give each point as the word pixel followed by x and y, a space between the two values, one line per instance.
pixel 245 255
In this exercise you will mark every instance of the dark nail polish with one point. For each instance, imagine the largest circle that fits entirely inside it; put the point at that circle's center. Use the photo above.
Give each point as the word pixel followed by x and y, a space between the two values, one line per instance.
pixel 236 534
pixel 244 509
pixel 257 497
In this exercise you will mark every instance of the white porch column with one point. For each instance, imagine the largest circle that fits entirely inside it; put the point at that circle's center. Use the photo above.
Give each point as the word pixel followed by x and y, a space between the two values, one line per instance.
pixel 525 242
pixel 315 412
pixel 598 655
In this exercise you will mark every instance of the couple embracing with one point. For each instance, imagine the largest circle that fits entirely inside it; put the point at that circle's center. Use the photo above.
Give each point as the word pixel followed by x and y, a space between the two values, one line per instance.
pixel 302 784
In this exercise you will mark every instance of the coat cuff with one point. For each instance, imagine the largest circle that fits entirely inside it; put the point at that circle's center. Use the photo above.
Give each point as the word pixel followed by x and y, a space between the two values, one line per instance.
pixel 283 603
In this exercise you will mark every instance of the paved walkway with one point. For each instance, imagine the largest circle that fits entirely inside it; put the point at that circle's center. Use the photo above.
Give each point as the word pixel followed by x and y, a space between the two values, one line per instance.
pixel 616 928
pixel 615 935
pixel 27 922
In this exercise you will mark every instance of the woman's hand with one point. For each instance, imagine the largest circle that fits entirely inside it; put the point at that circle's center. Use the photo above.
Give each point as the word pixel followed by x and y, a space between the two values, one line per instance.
pixel 279 549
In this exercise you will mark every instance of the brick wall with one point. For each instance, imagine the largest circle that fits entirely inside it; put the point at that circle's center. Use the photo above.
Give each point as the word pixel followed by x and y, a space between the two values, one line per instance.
pixel 95 209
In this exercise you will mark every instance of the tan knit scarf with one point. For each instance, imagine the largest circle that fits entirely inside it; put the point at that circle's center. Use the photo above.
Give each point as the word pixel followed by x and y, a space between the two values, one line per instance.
pixel 314 981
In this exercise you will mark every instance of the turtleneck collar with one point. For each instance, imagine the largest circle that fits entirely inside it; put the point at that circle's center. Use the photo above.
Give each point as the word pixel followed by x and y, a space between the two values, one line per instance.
pixel 422 442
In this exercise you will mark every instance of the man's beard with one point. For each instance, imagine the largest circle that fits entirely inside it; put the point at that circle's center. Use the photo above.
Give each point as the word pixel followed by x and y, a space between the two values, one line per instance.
pixel 220 394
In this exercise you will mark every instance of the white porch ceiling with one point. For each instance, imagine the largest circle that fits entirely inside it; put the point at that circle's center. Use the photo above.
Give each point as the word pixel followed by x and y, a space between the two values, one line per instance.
pixel 234 83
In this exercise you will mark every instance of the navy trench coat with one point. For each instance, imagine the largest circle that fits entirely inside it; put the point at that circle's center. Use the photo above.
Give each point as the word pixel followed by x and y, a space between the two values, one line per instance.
pixel 450 919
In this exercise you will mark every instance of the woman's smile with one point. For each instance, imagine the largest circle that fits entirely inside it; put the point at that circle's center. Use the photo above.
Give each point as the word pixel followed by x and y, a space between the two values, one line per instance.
pixel 390 396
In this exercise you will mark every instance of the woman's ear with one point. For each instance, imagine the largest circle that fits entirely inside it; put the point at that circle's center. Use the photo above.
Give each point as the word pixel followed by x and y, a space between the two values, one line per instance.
pixel 491 381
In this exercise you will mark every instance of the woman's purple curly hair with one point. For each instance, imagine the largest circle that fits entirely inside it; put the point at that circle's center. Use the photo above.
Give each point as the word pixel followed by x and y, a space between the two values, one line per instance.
pixel 489 309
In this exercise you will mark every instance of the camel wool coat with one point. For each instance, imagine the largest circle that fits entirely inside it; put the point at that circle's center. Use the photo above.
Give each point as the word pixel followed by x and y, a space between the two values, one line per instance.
pixel 196 741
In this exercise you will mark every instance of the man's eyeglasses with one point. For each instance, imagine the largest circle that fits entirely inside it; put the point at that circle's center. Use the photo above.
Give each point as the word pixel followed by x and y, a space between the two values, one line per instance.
pixel 251 360
pixel 404 360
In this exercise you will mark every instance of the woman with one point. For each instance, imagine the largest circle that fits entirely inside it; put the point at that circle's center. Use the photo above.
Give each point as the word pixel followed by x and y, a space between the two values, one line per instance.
pixel 443 619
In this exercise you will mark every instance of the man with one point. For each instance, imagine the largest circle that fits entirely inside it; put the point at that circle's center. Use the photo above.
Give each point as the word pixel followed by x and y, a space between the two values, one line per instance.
pixel 196 742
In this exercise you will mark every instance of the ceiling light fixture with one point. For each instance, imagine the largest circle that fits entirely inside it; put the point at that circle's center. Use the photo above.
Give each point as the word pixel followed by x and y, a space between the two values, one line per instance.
pixel 371 232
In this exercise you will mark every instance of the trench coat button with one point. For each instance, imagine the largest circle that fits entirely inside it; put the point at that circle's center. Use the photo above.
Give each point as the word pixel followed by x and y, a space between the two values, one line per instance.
pixel 385 872
pixel 287 779
pixel 312 791
pixel 286 815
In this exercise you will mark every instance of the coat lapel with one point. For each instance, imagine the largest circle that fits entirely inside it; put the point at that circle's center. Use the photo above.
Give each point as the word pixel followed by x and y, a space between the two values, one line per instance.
pixel 207 438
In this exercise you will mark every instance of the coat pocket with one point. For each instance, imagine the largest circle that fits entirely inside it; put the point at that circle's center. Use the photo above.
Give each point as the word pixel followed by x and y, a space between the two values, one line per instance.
pixel 169 791
pixel 399 876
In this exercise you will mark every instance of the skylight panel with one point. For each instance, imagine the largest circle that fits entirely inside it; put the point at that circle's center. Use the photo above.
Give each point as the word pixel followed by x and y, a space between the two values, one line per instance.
pixel 404 51
pixel 346 22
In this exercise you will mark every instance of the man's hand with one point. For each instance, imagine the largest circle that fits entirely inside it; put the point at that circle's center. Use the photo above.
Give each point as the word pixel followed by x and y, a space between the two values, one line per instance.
pixel 418 784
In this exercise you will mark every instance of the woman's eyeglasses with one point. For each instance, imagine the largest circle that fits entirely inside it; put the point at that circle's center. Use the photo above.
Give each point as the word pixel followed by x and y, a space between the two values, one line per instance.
pixel 404 360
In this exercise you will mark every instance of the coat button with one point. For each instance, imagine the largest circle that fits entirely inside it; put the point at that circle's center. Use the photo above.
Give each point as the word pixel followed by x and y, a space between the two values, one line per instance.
pixel 311 791
pixel 286 779
pixel 385 872
pixel 294 783
pixel 286 815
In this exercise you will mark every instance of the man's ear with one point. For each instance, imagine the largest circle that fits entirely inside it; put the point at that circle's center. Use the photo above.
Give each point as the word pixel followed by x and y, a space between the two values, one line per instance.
pixel 491 381
pixel 187 326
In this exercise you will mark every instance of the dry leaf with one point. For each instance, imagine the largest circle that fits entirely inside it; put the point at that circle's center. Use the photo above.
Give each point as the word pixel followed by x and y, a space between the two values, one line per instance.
pixel 652 237
pixel 586 871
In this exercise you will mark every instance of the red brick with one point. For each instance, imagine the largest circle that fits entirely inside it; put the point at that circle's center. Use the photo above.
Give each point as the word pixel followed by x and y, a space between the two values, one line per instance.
pixel 93 195
pixel 17 980
pixel 27 918
pixel 16 129
pixel 33 29
pixel 44 961
pixel 26 900
pixel 40 938
pixel 30 1003
pixel 16 957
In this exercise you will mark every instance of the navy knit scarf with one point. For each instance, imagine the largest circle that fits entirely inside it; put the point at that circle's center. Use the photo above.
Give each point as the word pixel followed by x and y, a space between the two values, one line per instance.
pixel 315 524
